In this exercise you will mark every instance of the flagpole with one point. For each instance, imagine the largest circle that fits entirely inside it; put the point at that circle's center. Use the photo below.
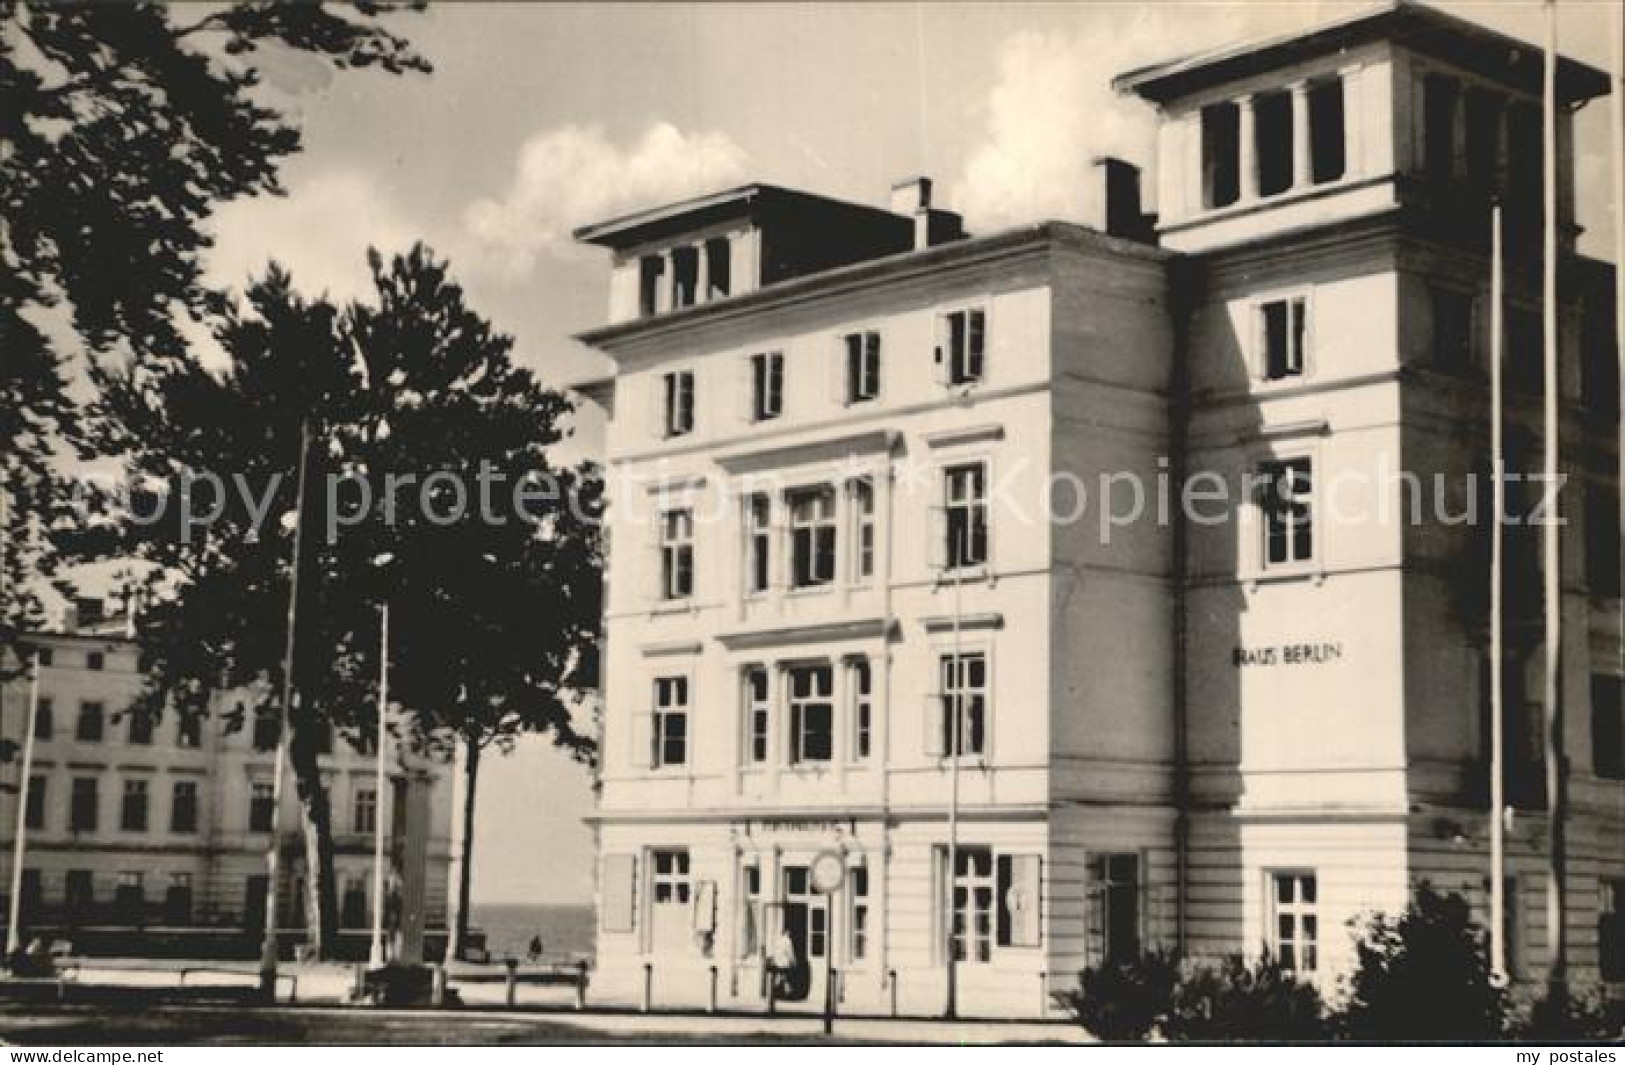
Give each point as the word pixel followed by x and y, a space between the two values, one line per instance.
pixel 19 848
pixel 376 957
pixel 1498 957
pixel 1556 909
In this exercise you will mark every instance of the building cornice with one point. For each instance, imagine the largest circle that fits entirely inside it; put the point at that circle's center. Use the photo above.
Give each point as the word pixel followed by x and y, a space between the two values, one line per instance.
pixel 823 632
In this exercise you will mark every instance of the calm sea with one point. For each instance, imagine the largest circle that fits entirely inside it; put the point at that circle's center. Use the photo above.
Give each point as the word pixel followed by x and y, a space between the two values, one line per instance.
pixel 566 931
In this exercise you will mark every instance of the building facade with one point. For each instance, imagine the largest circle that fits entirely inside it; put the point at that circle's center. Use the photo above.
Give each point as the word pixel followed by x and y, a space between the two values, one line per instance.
pixel 163 826
pixel 1065 583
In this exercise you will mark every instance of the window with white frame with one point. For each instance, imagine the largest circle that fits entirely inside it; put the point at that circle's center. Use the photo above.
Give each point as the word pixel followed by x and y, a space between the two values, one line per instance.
pixel 677 554
pixel 670 722
pixel 857 921
pixel 1283 331
pixel 766 385
pixel 1294 921
pixel 670 883
pixel 758 543
pixel 678 402
pixel 364 811
pixel 749 939
pixel 1114 906
pixel 963 723
pixel 812 714
pixel 863 532
pixel 862 366
pixel 1286 488
pixel 962 346
pixel 972 909
pixel 861 685
pixel 965 516
pixel 758 710
pixel 812 537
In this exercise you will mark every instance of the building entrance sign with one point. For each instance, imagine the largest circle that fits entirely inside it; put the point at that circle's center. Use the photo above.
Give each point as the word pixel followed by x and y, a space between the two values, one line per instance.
pixel 1287 654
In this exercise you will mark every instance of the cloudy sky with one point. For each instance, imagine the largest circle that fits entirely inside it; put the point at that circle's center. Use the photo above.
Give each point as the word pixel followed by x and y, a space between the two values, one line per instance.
pixel 539 118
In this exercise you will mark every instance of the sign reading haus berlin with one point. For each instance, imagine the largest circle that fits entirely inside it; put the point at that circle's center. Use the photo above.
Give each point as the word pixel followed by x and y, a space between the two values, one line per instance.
pixel 1288 654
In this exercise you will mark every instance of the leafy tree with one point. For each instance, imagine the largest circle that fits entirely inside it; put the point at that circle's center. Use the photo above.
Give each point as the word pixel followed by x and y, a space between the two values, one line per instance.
pixel 1233 1001
pixel 1424 975
pixel 124 126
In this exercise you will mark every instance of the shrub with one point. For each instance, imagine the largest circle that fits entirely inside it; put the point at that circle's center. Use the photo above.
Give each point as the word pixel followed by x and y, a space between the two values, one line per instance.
pixel 1424 976
pixel 1232 1000
pixel 1583 1016
pixel 1120 1001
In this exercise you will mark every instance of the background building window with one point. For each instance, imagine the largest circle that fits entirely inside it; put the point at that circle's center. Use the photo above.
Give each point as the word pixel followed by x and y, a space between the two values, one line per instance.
pixel 1114 906
pixel 267 727
pixel 863 704
pixel 766 386
pixel 857 923
pixel 79 892
pixel 685 276
pixel 862 366
pixel 1287 489
pixel 863 510
pixel 964 697
pixel 678 403
pixel 89 727
pixel 261 808
pixel 140 727
pixel 1439 96
pixel 183 807
pixel 364 812
pixel 95 661
pixel 962 348
pixel 133 810
pixel 34 816
pixel 1452 329
pixel 1294 923
pixel 1607 727
pixel 178 899
pixel 758 543
pixel 812 537
pixel 757 710
pixel 812 714
pixel 677 554
pixel 1283 330
pixel 965 526
pixel 83 803
pixel 670 722
pixel 718 267
pixel 130 896
pixel 353 907
pixel 189 731
pixel 45 718
pixel 669 878
pixel 651 268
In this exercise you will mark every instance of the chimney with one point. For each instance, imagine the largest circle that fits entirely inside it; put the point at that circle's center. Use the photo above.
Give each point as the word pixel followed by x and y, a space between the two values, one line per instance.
pixel 911 198
pixel 1119 183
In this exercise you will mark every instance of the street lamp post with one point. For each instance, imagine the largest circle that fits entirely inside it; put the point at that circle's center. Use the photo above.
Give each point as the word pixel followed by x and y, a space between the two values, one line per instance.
pixel 20 844
pixel 376 956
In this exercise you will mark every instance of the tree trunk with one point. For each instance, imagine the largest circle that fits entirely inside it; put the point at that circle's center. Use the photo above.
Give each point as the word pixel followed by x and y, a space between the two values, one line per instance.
pixel 458 926
pixel 316 824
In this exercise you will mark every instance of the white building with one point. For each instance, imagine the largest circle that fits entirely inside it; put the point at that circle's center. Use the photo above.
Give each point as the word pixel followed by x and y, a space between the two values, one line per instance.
pixel 153 836
pixel 845 446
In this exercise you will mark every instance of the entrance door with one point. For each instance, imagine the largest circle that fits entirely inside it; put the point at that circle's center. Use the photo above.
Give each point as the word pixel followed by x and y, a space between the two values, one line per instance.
pixel 805 915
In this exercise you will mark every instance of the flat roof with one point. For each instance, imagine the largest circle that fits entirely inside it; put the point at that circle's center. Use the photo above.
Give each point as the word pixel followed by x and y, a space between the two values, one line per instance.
pixel 648 223
pixel 1406 22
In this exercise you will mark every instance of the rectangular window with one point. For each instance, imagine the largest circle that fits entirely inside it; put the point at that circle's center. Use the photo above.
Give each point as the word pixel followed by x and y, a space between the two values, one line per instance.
pixel 1287 489
pixel 758 544
pixel 1439 95
pixel 1283 335
pixel 812 714
pixel 1602 539
pixel 44 718
pixel 749 939
pixel 857 921
pixel 677 554
pixel 1452 329
pixel 79 891
pixel 189 731
pixel 862 366
pixel 1611 931
pixel 685 277
pixel 962 346
pixel 766 386
pixel 1272 132
pixel 95 661
pixel 89 727
pixel 1221 155
pixel 670 722
pixel 863 538
pixel 812 537
pixel 140 727
pixel 966 514
pixel 651 268
pixel 178 899
pixel 669 880
pixel 261 807
pixel 1327 142
pixel 863 708
pixel 133 810
pixel 130 895
pixel 183 807
pixel 45 656
pixel 1483 138
pixel 718 267
pixel 353 907
pixel 34 817
pixel 83 805
pixel 678 402
pixel 964 703
pixel 1294 925
pixel 364 811
pixel 757 710
pixel 267 727
pixel 974 887
pixel 1607 727
pixel 1114 906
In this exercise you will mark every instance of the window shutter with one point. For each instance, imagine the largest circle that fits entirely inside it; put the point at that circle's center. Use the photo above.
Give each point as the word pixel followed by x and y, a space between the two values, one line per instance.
pixel 941 352
pixel 659 401
pixel 779 549
pixel 871 384
pixel 641 745
pixel 1095 922
pixel 1300 335
pixel 705 907
pixel 747 390
pixel 936 740
pixel 1261 348
pixel 975 342
pixel 1024 899
pixel 936 531
pixel 653 586
pixel 618 892
pixel 840 371
pixel 941 905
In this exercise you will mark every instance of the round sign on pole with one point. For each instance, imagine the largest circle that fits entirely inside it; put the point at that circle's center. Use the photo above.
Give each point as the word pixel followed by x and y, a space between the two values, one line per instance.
pixel 828 873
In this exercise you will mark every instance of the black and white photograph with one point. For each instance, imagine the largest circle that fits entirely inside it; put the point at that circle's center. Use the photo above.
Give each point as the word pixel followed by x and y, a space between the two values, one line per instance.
pixel 733 524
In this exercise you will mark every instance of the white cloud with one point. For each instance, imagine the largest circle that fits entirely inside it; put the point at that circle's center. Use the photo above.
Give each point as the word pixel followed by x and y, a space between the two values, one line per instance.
pixel 1051 112
pixel 573 175
pixel 320 232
